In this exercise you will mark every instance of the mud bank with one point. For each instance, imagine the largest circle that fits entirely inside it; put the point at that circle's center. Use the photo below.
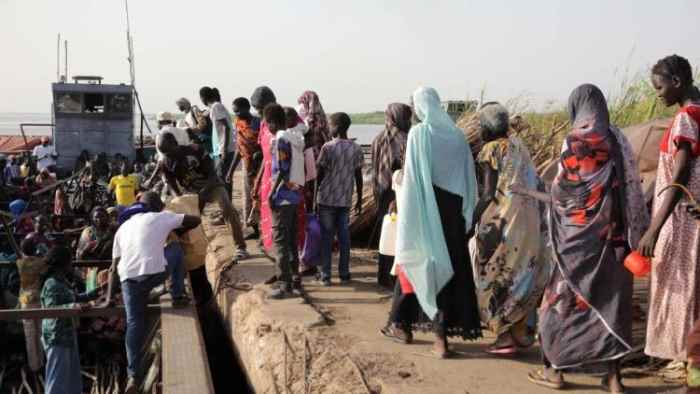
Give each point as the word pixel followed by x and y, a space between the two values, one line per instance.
pixel 333 345
pixel 289 346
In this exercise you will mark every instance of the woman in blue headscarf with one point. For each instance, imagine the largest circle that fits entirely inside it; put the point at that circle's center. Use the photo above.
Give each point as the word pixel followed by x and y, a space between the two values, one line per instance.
pixel 437 202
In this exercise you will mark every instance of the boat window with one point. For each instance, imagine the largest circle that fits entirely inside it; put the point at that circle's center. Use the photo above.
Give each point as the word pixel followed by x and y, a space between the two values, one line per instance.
pixel 93 103
pixel 68 102
pixel 119 103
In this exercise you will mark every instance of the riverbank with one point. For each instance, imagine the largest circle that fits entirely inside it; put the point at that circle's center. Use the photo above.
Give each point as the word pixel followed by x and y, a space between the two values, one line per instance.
pixel 331 344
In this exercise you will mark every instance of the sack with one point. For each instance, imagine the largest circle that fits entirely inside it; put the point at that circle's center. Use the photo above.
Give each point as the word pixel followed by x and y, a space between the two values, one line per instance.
pixel 194 242
pixel 311 254
pixel 31 269
pixel 387 239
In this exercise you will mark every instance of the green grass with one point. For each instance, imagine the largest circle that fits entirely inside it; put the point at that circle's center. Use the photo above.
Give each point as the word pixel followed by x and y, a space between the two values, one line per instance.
pixel 376 117
pixel 633 102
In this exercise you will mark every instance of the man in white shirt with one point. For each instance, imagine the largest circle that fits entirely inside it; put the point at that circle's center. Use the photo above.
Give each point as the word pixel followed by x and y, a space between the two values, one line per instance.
pixel 142 263
pixel 45 155
pixel 223 134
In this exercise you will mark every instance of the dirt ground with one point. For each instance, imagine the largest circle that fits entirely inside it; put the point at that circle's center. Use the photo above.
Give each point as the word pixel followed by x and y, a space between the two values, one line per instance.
pixel 286 346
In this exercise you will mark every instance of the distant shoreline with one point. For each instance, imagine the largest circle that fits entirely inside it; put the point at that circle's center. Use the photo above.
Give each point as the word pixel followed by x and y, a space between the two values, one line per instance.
pixel 368 118
pixel 375 118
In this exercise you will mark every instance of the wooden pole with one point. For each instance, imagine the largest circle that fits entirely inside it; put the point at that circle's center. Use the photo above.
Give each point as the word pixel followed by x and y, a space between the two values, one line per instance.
pixel 77 264
pixel 58 313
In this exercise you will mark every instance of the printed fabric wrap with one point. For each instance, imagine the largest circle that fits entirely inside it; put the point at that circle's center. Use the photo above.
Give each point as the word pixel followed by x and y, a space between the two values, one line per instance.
pixel 586 311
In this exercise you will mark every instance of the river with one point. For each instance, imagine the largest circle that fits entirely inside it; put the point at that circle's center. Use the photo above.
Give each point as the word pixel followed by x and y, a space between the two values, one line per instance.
pixel 9 125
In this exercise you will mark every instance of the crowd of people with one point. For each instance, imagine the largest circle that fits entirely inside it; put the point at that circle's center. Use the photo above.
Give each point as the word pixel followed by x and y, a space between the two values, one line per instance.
pixel 481 241
pixel 544 261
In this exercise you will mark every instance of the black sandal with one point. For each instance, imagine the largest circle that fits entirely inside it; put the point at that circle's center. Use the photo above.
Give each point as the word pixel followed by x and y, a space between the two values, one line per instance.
pixel 404 337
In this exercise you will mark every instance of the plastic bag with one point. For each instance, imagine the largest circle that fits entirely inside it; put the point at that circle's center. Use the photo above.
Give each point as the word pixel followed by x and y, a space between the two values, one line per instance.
pixel 311 254
pixel 387 240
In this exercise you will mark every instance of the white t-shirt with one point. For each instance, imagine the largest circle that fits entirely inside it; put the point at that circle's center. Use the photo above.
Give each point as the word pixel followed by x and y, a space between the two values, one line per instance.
pixel 218 112
pixel 188 121
pixel 43 155
pixel 180 136
pixel 140 243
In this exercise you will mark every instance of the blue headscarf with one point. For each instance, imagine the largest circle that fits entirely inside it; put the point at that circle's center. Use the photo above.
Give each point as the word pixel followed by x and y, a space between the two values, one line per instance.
pixel 17 207
pixel 436 154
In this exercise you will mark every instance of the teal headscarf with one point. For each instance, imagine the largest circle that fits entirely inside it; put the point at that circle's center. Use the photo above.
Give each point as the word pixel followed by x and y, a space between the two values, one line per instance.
pixel 436 154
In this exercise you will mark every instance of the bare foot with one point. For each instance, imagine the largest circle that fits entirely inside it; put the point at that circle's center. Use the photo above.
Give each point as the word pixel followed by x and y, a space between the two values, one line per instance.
pixel 613 383
pixel 440 348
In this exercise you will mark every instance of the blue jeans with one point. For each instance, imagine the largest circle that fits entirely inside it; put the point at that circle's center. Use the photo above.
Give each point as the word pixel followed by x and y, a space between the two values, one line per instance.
pixel 335 220
pixel 136 292
pixel 63 369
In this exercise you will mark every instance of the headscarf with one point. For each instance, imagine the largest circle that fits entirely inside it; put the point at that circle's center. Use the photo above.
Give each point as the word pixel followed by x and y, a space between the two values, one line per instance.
pixel 389 147
pixel 262 96
pixel 436 155
pixel 585 164
pixel 592 147
pixel 311 111
pixel 17 207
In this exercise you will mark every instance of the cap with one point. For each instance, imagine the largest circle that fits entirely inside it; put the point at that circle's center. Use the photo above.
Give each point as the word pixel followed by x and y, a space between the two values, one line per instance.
pixel 165 116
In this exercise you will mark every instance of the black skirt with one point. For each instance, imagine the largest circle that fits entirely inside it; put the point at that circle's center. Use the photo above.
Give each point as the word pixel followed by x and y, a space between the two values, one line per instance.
pixel 458 310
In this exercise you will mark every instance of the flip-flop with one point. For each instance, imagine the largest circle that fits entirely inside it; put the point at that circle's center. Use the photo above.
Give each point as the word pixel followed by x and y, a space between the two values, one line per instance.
pixel 502 351
pixel 523 345
pixel 537 377
pixel 389 333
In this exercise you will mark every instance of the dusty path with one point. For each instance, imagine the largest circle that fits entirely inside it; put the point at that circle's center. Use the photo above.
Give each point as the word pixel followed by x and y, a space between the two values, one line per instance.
pixel 286 343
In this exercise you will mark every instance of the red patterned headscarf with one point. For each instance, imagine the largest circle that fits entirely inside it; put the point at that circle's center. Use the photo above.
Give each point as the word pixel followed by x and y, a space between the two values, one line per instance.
pixel 585 162
pixel 312 113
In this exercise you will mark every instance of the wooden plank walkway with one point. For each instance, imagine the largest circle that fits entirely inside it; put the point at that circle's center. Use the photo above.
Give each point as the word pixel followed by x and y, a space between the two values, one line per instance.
pixel 185 363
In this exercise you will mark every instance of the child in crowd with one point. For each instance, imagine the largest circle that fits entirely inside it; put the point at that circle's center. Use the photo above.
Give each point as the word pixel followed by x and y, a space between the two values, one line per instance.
pixel 339 163
pixel 284 198
pixel 249 153
pixel 295 134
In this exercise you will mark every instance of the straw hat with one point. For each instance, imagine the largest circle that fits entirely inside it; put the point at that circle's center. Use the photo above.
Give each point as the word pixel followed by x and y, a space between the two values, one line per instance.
pixel 165 116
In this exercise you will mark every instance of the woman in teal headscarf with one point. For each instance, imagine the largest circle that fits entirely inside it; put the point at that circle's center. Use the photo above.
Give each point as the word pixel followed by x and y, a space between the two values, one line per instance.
pixel 437 202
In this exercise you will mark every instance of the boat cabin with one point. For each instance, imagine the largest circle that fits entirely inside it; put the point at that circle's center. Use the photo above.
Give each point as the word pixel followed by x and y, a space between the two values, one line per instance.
pixel 455 108
pixel 89 115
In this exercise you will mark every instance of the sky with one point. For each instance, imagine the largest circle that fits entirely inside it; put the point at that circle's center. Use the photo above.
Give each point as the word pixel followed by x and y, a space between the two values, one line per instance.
pixel 358 55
